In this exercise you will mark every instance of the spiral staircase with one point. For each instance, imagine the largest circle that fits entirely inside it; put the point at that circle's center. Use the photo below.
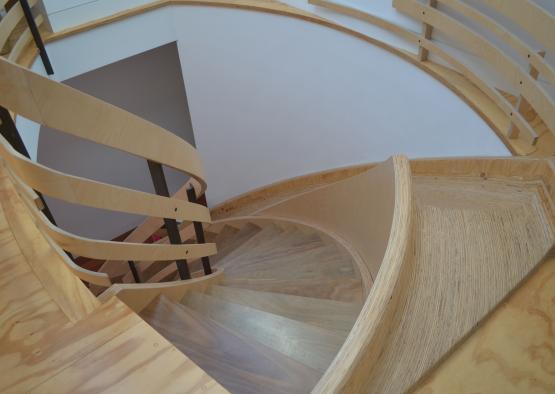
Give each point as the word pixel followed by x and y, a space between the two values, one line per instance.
pixel 384 277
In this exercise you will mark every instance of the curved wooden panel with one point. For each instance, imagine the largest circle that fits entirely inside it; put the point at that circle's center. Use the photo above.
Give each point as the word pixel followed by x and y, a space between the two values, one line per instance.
pixel 119 251
pixel 10 21
pixel 60 107
pixel 97 194
pixel 537 61
pixel 521 123
pixel 530 16
pixel 24 40
pixel 123 251
pixel 373 19
pixel 527 86
pixel 30 198
pixel 367 224
pixel 349 370
pixel 92 277
pixel 138 296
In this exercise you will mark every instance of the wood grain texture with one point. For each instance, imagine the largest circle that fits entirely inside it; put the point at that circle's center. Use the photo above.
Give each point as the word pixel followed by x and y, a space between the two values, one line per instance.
pixel 367 222
pixel 138 296
pixel 462 87
pixel 64 287
pixel 476 43
pixel 345 290
pixel 10 21
pixel 24 40
pixel 118 251
pixel 239 364
pixel 512 352
pixel 309 345
pixel 78 190
pixel 63 108
pixel 529 16
pixel 464 90
pixel 331 315
pixel 135 359
pixel 523 49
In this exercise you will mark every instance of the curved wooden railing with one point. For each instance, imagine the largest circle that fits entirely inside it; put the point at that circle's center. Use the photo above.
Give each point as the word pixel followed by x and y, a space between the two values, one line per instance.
pixel 14 38
pixel 68 110
pixel 379 228
pixel 520 79
pixel 533 98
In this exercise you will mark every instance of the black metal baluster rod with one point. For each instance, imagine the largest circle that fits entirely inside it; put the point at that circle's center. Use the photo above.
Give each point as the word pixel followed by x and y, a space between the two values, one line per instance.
pixel 36 36
pixel 134 271
pixel 199 232
pixel 161 188
pixel 9 131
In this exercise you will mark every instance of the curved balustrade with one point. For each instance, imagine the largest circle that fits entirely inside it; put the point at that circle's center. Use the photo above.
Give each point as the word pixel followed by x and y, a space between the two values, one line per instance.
pixel 380 231
pixel 17 40
pixel 58 106
pixel 526 84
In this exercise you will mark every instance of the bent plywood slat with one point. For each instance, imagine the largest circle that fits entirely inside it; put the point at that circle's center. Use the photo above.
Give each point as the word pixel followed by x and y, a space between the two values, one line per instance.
pixel 511 71
pixel 366 225
pixel 23 40
pixel 10 21
pixel 530 16
pixel 138 296
pixel 97 194
pixel 118 251
pixel 349 370
pixel 61 107
pixel 523 49
pixel 521 123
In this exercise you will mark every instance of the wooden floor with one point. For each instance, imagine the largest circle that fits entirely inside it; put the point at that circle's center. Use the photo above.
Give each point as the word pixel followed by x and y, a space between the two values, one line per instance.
pixel 475 241
pixel 48 345
pixel 513 352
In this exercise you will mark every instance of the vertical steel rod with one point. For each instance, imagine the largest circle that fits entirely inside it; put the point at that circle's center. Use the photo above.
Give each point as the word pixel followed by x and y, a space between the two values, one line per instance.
pixel 36 36
pixel 199 232
pixel 134 271
pixel 161 188
pixel 9 131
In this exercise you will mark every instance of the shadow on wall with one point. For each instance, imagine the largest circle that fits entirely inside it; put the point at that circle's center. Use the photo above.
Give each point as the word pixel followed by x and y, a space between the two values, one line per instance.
pixel 150 85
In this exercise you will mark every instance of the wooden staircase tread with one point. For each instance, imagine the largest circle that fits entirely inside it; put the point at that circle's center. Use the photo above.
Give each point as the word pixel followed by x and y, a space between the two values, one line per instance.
pixel 247 241
pixel 331 315
pixel 346 290
pixel 239 364
pixel 310 345
pixel 243 235
pixel 323 262
pixel 225 235
pixel 289 241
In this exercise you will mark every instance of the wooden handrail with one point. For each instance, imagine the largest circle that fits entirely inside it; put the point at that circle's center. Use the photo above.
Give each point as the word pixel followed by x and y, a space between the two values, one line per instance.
pixel 521 123
pixel 531 17
pixel 96 194
pixel 11 20
pixel 63 108
pixel 534 93
pixel 55 105
pixel 350 368
pixel 523 49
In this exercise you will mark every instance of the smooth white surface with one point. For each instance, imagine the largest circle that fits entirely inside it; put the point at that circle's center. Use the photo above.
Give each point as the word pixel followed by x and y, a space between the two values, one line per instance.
pixel 273 97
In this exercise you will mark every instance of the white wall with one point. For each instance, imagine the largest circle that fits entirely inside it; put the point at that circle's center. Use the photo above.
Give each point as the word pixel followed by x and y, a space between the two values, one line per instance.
pixel 273 97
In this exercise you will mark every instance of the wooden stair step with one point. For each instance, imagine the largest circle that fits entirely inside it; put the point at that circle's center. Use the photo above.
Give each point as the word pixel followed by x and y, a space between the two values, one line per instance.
pixel 346 290
pixel 310 345
pixel 240 365
pixel 322 262
pixel 289 241
pixel 243 244
pixel 243 235
pixel 331 315
pixel 225 235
